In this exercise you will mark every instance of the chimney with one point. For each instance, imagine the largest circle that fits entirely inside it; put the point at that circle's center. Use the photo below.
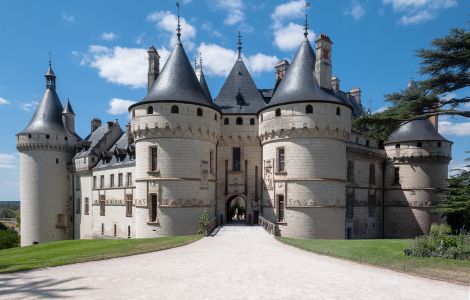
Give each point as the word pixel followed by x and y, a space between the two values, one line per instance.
pixel 435 121
pixel 95 123
pixel 355 93
pixel 335 84
pixel 110 124
pixel 323 68
pixel 281 69
pixel 154 66
pixel 130 136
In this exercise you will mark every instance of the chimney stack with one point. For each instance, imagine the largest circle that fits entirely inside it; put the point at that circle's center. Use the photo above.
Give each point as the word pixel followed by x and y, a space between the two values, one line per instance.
pixel 356 94
pixel 323 68
pixel 281 69
pixel 95 123
pixel 130 136
pixel 154 66
pixel 335 84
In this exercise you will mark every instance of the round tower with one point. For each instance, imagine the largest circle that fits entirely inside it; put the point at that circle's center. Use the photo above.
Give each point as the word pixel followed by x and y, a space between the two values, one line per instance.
pixel 303 133
pixel 176 127
pixel 417 168
pixel 46 150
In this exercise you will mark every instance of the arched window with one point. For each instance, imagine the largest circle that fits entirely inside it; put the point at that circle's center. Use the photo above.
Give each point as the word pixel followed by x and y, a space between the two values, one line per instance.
pixel 150 110
pixel 175 109
pixel 226 121
pixel 278 112
pixel 252 121
pixel 439 144
pixel 133 113
pixel 215 117
pixel 199 112
pixel 338 111
pixel 309 109
pixel 419 144
pixel 397 146
pixel 239 121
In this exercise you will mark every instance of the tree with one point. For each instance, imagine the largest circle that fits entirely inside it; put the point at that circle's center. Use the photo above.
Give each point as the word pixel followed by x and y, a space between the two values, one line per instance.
pixel 457 205
pixel 447 66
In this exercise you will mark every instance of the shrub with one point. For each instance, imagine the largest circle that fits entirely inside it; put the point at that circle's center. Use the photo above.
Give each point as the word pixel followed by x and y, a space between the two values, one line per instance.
pixel 440 243
pixel 203 220
pixel 9 239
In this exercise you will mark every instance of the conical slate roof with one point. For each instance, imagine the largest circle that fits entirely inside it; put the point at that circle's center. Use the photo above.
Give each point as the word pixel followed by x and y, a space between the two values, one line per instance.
pixel 202 80
pixel 68 108
pixel 48 115
pixel 239 94
pixel 299 84
pixel 177 82
pixel 416 130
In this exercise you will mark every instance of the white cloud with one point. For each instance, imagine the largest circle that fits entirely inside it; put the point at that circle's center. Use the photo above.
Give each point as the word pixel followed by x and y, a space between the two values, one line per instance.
pixel 454 166
pixel 218 61
pixel 289 10
pixel 4 101
pixel 109 36
pixel 119 106
pixel 234 9
pixel 419 11
pixel 28 106
pixel 455 129
pixel 166 21
pixel 120 65
pixel 7 161
pixel 289 37
pixel 355 10
pixel 68 18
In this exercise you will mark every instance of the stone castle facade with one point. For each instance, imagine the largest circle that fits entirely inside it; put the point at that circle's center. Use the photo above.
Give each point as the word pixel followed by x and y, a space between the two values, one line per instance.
pixel 287 154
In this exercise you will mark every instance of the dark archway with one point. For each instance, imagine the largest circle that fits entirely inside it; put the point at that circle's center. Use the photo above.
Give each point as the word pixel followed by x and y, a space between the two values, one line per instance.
pixel 236 210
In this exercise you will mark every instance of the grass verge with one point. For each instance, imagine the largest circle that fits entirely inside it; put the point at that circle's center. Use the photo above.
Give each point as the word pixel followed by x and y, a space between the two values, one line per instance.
pixel 76 251
pixel 387 254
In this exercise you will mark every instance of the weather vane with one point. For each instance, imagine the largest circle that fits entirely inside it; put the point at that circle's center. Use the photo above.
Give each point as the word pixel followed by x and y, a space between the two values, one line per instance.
pixel 178 28
pixel 307 5
pixel 239 44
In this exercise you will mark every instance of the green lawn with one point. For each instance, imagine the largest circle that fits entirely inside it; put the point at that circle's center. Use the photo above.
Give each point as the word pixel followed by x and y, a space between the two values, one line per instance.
pixel 75 251
pixel 388 254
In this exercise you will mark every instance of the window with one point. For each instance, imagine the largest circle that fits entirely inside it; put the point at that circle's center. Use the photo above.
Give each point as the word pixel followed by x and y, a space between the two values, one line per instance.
pixel 153 159
pixel 102 181
pixel 239 121
pixel 115 230
pixel 309 109
pixel 372 174
pixel 66 138
pixel 94 182
pixel 367 143
pixel 281 160
pixel 338 111
pixel 350 175
pixel 419 144
pixel 102 205
pixel 236 157
pixel 252 121
pixel 226 121
pixel 129 205
pixel 29 136
pixel 350 204
pixel 129 179
pixel 278 112
pixel 199 112
pixel 211 162
pixel 280 208
pixel 153 208
pixel 150 110
pixel 77 207
pixel 175 109
pixel 102 228
pixel 48 136
pixel 120 179
pixel 57 161
pixel 396 176
pixel 133 113
pixel 439 144
pixel 129 232
pixel 371 205
pixel 261 118
pixel 215 117
pixel 87 206
pixel 111 180
pixel 397 146
pixel 77 183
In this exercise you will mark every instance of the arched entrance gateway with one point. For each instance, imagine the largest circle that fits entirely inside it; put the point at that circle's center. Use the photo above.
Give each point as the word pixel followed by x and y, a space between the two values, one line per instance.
pixel 236 210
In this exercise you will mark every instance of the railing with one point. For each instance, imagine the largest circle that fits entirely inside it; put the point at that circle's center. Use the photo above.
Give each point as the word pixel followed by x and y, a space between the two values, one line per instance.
pixel 270 227
pixel 211 225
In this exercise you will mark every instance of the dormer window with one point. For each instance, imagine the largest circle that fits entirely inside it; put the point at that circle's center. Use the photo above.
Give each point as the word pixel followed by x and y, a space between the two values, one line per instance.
pixel 309 109
pixel 150 110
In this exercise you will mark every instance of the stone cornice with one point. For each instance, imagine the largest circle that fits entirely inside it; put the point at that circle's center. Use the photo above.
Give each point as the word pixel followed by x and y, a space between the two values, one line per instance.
pixel 333 133
pixel 365 153
pixel 207 134
pixel 45 147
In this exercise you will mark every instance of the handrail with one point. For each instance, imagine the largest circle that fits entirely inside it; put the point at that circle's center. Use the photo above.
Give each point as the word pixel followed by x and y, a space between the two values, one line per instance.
pixel 269 226
pixel 210 226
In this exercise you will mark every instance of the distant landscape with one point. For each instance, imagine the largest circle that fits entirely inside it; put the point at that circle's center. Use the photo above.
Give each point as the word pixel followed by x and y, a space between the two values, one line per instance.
pixel 9 209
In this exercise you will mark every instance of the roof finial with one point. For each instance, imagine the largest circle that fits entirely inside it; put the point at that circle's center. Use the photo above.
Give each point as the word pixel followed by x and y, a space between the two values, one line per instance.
pixel 178 28
pixel 50 58
pixel 307 5
pixel 200 60
pixel 195 63
pixel 239 44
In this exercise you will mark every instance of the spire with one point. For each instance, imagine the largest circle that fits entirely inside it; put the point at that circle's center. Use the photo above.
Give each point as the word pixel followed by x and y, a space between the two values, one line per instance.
pixel 239 45
pixel 307 5
pixel 200 60
pixel 68 108
pixel 178 28
pixel 50 76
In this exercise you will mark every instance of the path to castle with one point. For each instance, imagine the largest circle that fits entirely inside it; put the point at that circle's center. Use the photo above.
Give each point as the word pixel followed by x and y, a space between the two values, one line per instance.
pixel 237 263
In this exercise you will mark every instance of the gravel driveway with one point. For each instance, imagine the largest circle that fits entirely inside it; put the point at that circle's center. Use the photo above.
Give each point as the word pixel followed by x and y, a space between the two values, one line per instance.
pixel 239 262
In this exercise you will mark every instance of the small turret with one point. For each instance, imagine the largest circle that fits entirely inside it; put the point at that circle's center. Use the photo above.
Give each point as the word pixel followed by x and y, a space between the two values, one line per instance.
pixel 68 117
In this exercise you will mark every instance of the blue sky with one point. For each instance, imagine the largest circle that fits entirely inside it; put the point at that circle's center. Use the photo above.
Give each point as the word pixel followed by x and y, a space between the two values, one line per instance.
pixel 99 52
